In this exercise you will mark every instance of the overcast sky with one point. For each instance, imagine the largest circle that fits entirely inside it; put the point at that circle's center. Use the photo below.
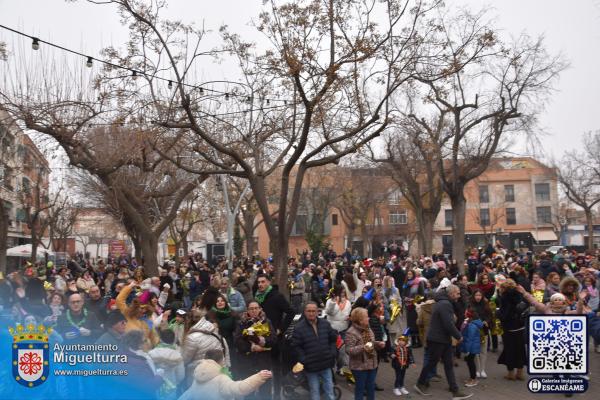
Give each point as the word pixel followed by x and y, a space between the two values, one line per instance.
pixel 570 27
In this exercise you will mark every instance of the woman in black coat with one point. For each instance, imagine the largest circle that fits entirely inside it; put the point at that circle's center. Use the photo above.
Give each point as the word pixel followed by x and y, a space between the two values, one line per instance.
pixel 254 350
pixel 513 338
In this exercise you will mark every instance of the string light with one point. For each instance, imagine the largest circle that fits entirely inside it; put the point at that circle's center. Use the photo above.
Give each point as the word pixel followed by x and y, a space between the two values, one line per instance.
pixel 35 45
pixel 170 85
pixel 226 96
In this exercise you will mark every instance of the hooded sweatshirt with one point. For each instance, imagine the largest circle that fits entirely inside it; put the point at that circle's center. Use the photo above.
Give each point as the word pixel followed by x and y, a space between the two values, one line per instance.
pixel 211 383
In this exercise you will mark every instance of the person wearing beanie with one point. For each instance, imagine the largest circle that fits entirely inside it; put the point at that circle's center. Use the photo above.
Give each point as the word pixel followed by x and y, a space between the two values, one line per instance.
pixel 115 328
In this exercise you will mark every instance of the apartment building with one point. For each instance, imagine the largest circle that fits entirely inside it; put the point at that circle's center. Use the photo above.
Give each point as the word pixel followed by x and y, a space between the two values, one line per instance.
pixel 24 177
pixel 515 201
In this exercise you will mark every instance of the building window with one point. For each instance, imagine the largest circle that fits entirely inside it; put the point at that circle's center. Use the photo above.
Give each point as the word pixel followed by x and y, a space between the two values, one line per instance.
pixel 509 193
pixel 26 185
pixel 301 224
pixel 484 217
pixel 542 191
pixel 511 216
pixel 544 215
pixel 334 219
pixel 394 198
pixel 484 194
pixel 378 221
pixel 447 217
pixel 398 217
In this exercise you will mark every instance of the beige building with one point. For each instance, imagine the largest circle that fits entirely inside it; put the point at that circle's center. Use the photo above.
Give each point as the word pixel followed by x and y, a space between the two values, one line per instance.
pixel 515 201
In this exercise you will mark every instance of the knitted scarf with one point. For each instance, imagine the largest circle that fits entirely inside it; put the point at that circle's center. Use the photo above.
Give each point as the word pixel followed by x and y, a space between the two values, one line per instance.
pixel 402 355
pixel 224 313
pixel 260 296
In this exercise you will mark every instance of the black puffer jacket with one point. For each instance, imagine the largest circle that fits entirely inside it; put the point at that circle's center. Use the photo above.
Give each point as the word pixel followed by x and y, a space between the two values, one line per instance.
pixel 442 327
pixel 510 312
pixel 276 306
pixel 315 352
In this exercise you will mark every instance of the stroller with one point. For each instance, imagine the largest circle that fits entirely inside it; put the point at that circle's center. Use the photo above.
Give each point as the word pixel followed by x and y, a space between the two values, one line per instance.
pixel 292 381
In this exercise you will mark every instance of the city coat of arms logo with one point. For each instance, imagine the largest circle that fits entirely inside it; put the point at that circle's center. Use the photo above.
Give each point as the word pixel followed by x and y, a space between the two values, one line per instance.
pixel 30 354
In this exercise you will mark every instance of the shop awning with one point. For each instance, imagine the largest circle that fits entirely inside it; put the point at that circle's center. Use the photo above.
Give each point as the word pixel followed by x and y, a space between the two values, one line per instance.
pixel 544 236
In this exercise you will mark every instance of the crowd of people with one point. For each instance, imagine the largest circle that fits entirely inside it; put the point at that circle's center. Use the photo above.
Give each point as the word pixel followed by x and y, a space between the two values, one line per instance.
pixel 197 329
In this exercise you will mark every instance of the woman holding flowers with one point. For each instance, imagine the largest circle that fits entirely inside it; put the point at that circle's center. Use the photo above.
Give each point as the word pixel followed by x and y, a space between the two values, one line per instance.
pixel 253 339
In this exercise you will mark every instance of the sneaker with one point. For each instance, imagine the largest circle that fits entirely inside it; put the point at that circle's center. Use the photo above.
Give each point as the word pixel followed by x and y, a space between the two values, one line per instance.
pixel 404 391
pixel 478 374
pixel 483 374
pixel 421 389
pixel 471 383
pixel 458 395
pixel 397 392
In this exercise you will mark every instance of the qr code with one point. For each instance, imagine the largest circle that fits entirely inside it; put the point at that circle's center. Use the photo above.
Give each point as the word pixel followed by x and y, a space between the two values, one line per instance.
pixel 557 344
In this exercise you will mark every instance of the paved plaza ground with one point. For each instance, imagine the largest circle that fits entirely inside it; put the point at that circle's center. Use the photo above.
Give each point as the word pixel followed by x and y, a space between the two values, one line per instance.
pixel 495 387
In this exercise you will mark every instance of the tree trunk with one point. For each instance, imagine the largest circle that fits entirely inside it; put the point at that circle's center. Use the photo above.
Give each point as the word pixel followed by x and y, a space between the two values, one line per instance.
pixel 149 247
pixel 280 257
pixel 426 229
pixel 137 246
pixel 459 205
pixel 248 228
pixel 185 246
pixel 590 229
pixel 34 245
pixel 365 240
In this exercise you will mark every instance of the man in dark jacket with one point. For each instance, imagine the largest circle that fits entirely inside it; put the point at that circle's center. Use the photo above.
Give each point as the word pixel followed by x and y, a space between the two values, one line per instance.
pixel 273 304
pixel 442 330
pixel 314 342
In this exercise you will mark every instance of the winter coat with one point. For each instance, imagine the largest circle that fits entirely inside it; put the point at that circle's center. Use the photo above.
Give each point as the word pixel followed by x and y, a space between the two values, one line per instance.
pixel 250 361
pixel 336 317
pixel 424 311
pixel 245 289
pixel 316 351
pixel 170 361
pixel 133 322
pixel 275 307
pixel 63 325
pixel 236 301
pixel 442 327
pixel 509 314
pixel 142 375
pixel 210 383
pixel 471 343
pixel 594 326
pixel 202 337
pixel 355 347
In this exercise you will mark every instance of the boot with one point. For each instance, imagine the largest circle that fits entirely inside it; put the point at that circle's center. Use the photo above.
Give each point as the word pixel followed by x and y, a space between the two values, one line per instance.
pixel 520 376
pixel 510 375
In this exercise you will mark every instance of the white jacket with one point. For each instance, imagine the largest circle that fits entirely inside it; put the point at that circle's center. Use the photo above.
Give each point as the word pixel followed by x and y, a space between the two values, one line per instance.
pixel 336 317
pixel 199 340
pixel 170 361
pixel 212 384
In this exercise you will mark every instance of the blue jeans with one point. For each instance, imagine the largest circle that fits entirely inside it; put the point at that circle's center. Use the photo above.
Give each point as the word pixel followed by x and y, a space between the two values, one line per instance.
pixel 314 381
pixel 365 380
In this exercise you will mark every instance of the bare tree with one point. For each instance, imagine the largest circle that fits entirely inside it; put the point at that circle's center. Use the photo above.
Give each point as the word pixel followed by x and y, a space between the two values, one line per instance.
pixel 322 58
pixel 412 162
pixel 357 200
pixel 579 175
pixel 488 90
pixel 187 218
pixel 62 218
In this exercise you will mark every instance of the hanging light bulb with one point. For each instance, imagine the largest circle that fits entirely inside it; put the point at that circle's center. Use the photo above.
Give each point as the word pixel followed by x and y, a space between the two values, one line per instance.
pixel 285 102
pixel 134 75
pixel 35 44
pixel 268 101
pixel 249 99
pixel 201 91
pixel 90 62
pixel 226 96
pixel 170 85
